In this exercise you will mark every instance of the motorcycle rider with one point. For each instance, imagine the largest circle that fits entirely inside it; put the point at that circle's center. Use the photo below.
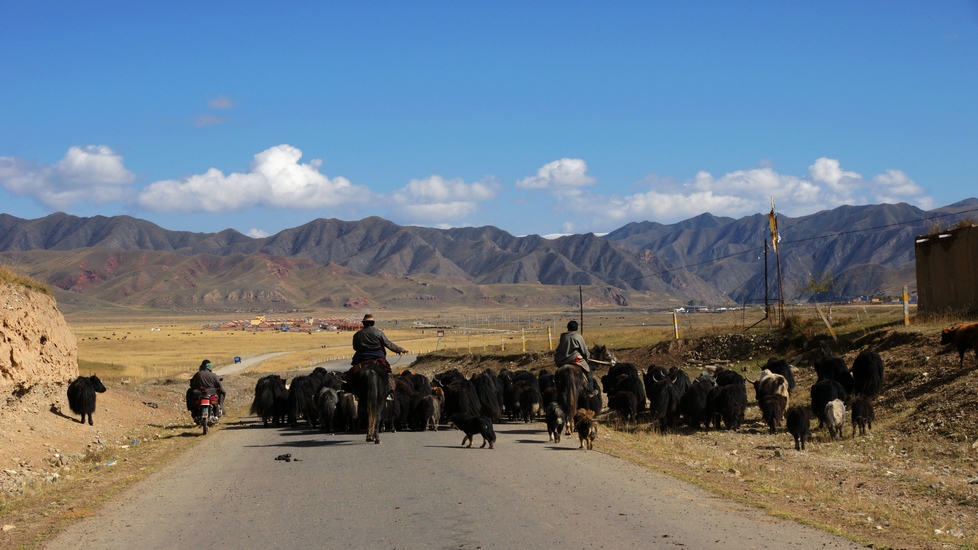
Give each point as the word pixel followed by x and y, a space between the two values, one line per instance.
pixel 205 382
pixel 572 350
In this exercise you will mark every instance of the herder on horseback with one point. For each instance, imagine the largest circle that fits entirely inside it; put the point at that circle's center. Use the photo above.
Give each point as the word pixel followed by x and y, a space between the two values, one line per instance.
pixel 370 346
pixel 572 350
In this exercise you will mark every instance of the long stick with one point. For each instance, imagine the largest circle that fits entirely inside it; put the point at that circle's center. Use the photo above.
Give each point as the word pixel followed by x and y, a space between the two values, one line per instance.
pixel 580 290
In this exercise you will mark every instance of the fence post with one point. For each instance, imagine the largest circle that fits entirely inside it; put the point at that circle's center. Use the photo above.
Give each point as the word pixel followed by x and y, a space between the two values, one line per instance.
pixel 906 306
pixel 675 323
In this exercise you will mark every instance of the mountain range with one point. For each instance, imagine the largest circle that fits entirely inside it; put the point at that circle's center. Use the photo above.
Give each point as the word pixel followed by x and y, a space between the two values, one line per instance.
pixel 330 264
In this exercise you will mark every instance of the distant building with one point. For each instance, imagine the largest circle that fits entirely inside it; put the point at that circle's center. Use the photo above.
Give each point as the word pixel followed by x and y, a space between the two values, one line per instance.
pixel 947 271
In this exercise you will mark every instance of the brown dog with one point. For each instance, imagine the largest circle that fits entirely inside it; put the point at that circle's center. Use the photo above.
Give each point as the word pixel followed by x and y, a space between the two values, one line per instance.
pixel 587 427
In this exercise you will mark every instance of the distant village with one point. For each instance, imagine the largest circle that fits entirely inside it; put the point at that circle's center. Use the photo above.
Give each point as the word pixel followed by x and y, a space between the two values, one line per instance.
pixel 260 323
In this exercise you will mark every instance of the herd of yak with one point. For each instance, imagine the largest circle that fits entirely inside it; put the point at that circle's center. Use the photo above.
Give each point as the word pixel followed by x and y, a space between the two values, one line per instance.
pixel 666 397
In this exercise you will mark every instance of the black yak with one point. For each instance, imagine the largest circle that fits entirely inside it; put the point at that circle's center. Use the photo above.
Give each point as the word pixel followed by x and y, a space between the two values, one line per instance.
pixel 570 381
pixel 867 374
pixel 271 399
pixel 663 398
pixel 625 404
pixel 834 368
pixel 862 415
pixel 694 404
pixel 728 400
pixel 81 396
pixel 798 421
pixel 624 377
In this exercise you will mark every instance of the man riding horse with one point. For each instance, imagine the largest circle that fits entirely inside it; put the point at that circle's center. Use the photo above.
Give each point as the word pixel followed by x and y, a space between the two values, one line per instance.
pixel 370 346
pixel 572 350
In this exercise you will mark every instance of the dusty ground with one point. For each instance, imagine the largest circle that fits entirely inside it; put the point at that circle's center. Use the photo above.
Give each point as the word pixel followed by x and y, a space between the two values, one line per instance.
pixel 911 483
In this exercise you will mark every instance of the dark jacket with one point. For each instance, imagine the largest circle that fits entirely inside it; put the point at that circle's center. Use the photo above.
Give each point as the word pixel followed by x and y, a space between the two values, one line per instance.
pixel 369 343
pixel 207 380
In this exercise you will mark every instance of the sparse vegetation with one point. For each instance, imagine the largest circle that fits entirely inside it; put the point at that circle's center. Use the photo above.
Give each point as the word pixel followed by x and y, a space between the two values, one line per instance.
pixel 10 277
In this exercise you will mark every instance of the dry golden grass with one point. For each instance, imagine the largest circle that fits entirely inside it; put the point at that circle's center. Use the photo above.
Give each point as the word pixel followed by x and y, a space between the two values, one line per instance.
pixel 11 277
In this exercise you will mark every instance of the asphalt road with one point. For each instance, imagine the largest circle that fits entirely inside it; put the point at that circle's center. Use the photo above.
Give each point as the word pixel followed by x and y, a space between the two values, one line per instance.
pixel 420 490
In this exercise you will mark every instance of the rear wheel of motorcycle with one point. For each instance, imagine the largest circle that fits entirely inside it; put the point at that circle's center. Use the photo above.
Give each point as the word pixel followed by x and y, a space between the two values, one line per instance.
pixel 204 418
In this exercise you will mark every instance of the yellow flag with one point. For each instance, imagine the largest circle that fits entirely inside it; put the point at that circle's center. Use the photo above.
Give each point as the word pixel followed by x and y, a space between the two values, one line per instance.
pixel 772 218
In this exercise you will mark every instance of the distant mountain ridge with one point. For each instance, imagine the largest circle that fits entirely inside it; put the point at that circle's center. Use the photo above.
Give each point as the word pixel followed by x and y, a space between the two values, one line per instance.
pixel 705 259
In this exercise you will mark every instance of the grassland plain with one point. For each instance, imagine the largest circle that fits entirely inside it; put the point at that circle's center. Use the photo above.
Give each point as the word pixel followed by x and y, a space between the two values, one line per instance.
pixel 910 483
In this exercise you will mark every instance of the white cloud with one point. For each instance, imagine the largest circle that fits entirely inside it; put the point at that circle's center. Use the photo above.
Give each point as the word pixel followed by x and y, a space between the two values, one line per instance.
pixel 435 200
pixel 221 102
pixel 257 233
pixel 276 180
pixel 740 193
pixel 202 121
pixel 90 174
pixel 563 174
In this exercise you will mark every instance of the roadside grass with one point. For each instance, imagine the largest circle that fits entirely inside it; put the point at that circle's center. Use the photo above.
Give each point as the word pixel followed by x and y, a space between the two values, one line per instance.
pixel 11 277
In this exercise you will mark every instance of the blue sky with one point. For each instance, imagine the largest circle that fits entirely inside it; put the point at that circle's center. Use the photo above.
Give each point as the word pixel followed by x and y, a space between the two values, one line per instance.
pixel 535 117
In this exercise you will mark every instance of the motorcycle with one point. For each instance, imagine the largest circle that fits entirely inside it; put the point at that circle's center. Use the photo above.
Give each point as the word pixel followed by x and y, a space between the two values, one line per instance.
pixel 208 410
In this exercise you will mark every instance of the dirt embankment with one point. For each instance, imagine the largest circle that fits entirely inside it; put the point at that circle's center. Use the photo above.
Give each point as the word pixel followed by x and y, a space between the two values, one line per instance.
pixel 36 345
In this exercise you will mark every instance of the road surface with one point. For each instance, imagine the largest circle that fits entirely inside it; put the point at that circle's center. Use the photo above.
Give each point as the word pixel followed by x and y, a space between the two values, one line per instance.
pixel 420 490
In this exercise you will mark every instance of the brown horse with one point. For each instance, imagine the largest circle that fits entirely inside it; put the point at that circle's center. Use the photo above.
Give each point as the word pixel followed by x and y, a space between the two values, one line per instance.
pixel 371 386
pixel 569 380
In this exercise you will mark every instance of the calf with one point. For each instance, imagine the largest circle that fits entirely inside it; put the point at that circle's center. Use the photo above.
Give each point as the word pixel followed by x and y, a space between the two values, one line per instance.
pixel 823 392
pixel 862 415
pixel 81 396
pixel 772 409
pixel 430 412
pixel 963 337
pixel 798 421
pixel 346 411
pixel 835 417
pixel 327 401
